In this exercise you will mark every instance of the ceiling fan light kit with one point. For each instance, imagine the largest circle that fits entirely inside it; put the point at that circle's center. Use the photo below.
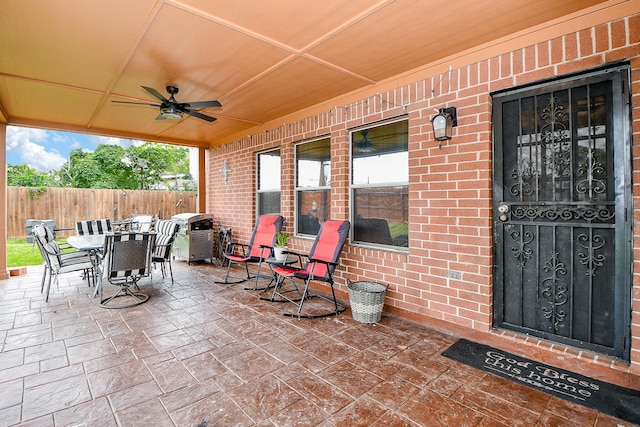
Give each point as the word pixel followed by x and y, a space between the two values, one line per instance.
pixel 174 110
pixel 169 112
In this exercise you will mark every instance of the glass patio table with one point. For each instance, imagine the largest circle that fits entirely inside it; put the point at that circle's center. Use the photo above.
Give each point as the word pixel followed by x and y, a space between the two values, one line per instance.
pixel 93 244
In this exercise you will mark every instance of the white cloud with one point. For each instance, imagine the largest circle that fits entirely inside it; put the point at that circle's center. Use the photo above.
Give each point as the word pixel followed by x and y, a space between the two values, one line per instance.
pixel 46 150
pixel 16 135
pixel 37 157
pixel 29 145
pixel 112 140
pixel 65 138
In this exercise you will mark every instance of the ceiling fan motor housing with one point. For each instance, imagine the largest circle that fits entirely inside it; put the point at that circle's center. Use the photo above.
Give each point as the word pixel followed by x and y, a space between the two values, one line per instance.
pixel 170 111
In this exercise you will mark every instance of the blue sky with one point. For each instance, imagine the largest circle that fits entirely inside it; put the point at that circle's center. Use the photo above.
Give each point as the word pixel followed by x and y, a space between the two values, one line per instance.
pixel 45 150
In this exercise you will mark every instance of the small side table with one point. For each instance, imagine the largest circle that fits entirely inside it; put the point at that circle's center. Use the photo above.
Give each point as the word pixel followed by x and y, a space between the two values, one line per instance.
pixel 289 260
pixel 273 261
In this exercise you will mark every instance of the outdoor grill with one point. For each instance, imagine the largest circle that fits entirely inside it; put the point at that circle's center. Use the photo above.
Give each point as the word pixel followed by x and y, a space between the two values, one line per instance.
pixel 194 241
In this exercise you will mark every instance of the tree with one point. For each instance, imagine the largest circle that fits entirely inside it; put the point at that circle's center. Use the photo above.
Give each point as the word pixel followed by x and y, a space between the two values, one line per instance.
pixel 114 172
pixel 26 176
pixel 91 169
pixel 149 162
pixel 135 168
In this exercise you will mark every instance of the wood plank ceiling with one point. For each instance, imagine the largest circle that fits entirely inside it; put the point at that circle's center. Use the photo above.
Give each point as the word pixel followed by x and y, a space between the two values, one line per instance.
pixel 62 62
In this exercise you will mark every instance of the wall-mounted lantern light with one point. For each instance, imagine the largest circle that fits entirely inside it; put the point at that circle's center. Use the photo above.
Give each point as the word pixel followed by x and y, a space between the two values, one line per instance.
pixel 443 123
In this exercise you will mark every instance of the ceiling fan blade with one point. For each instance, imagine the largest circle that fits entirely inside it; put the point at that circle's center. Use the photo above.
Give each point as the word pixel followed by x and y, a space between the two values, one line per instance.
pixel 202 104
pixel 199 115
pixel 136 103
pixel 155 93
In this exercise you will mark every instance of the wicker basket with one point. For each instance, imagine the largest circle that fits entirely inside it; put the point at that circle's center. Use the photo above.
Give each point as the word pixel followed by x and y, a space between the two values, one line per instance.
pixel 366 300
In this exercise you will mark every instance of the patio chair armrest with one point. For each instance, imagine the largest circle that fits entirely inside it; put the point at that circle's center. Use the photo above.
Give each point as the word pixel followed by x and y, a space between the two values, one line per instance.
pixel 49 252
pixel 314 261
pixel 74 253
pixel 321 261
pixel 70 256
pixel 262 248
pixel 297 254
pixel 231 247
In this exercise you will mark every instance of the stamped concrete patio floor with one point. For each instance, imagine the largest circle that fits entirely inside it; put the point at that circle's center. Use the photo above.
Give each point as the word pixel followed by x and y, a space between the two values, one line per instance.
pixel 205 354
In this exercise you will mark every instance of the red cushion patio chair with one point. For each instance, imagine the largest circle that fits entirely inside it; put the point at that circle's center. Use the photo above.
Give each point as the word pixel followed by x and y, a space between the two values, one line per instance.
pixel 322 262
pixel 257 251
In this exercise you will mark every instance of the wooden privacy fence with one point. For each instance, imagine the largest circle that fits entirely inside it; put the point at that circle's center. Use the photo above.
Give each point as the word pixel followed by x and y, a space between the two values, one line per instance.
pixel 65 206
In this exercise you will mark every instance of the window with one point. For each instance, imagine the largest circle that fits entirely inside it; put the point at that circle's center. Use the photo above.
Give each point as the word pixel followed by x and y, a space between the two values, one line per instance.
pixel 269 183
pixel 313 175
pixel 380 185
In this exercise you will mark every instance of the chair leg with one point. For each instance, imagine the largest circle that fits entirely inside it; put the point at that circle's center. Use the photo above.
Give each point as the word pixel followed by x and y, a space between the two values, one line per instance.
pixel 44 276
pixel 339 308
pixel 49 285
pixel 171 271
pixel 132 297
pixel 226 280
pixel 258 276
pixel 97 280
pixel 89 274
pixel 278 292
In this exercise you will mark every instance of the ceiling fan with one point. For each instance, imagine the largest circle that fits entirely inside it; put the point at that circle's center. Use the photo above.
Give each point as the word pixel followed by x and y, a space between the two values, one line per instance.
pixel 365 145
pixel 172 109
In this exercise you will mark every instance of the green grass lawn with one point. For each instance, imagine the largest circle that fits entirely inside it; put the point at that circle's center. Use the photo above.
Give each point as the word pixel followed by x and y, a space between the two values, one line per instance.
pixel 21 254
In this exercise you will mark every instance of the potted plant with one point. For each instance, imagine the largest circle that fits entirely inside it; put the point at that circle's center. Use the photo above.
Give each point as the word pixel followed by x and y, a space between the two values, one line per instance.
pixel 282 240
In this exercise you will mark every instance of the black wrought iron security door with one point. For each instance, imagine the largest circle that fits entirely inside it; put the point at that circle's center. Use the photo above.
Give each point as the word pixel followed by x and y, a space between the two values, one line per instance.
pixel 562 211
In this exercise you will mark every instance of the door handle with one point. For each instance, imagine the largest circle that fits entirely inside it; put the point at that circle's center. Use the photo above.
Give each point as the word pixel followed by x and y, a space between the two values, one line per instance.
pixel 503 209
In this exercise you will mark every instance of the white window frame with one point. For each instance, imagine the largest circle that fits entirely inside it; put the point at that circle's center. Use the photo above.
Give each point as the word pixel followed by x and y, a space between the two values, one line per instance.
pixel 275 189
pixel 396 244
pixel 301 189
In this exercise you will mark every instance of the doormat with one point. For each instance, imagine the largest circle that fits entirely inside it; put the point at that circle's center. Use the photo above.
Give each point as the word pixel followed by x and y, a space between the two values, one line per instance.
pixel 620 402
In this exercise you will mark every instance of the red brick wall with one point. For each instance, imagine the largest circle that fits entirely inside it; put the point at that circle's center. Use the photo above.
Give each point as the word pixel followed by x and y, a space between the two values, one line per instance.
pixel 445 278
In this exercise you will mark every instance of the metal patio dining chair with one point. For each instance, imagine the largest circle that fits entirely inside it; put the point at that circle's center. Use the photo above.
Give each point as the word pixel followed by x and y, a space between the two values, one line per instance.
pixel 93 226
pixel 57 262
pixel 166 232
pixel 322 261
pixel 127 260
pixel 141 222
pixel 259 249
